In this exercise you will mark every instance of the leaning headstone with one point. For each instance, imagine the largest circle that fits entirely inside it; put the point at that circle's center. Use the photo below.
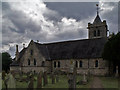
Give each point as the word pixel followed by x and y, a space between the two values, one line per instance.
pixel 31 83
pixel 0 81
pixel 45 80
pixel 84 79
pixel 57 78
pixel 10 81
pixel 74 77
pixel 39 80
pixel 3 75
pixel 70 81
pixel 117 74
pixel 53 78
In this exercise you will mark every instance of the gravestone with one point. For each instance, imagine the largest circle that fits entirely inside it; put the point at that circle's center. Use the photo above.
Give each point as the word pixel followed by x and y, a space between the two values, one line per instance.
pixel 0 81
pixel 10 81
pixel 3 75
pixel 57 78
pixel 84 79
pixel 39 80
pixel 31 83
pixel 45 79
pixel 117 74
pixel 53 78
pixel 72 76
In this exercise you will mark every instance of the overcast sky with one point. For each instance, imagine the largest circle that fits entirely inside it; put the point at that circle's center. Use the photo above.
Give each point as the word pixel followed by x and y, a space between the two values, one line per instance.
pixel 51 21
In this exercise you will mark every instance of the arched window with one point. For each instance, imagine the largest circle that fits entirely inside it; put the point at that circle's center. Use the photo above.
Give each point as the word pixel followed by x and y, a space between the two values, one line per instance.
pixel 31 52
pixel 28 61
pixel 80 63
pixel 94 33
pixel 58 63
pixel 43 63
pixel 34 62
pixel 96 63
pixel 54 64
pixel 76 63
pixel 98 33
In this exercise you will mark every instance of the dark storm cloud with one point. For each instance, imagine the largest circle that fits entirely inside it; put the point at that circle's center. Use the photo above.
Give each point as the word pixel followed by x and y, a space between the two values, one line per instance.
pixel 119 16
pixel 76 10
pixel 72 35
pixel 82 10
pixel 19 19
pixel 111 15
pixel 48 22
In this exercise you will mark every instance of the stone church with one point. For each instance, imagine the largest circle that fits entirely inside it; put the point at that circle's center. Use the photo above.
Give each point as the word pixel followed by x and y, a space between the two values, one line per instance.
pixel 86 53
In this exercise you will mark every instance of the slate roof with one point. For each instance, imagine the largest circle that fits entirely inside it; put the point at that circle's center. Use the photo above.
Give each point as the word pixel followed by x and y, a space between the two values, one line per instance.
pixel 97 20
pixel 75 49
pixel 43 50
pixel 78 49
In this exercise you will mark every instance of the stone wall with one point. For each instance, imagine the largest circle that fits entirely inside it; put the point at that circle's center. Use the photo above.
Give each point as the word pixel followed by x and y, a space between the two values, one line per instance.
pixel 93 27
pixel 88 66
pixel 15 68
pixel 35 69
pixel 41 63
pixel 36 55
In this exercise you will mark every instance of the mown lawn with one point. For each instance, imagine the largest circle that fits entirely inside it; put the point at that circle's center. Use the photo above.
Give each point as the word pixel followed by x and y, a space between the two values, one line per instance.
pixel 109 82
pixel 63 83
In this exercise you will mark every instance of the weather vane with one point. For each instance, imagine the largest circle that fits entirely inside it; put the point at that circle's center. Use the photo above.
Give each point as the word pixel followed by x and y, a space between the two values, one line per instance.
pixel 97 9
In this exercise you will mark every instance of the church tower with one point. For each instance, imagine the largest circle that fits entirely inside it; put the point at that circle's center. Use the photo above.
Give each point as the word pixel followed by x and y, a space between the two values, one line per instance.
pixel 98 28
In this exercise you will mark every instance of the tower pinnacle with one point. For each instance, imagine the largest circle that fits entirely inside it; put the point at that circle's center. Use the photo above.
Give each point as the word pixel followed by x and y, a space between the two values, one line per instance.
pixel 97 9
pixel 98 28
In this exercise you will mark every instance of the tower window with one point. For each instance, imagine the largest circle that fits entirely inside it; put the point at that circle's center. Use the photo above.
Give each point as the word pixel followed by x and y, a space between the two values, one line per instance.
pixel 28 61
pixel 76 64
pixel 54 64
pixel 58 63
pixel 96 63
pixel 34 62
pixel 94 33
pixel 98 33
pixel 80 63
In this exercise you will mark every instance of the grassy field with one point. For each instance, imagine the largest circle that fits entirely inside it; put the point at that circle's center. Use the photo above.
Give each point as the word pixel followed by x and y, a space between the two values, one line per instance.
pixel 63 83
pixel 109 82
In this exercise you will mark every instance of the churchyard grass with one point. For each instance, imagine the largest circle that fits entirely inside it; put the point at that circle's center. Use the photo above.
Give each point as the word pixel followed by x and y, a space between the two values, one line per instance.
pixel 109 82
pixel 0 80
pixel 63 82
pixel 88 85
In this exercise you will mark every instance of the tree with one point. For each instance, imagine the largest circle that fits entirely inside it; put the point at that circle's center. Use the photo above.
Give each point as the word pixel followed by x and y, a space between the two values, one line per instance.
pixel 111 51
pixel 6 61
